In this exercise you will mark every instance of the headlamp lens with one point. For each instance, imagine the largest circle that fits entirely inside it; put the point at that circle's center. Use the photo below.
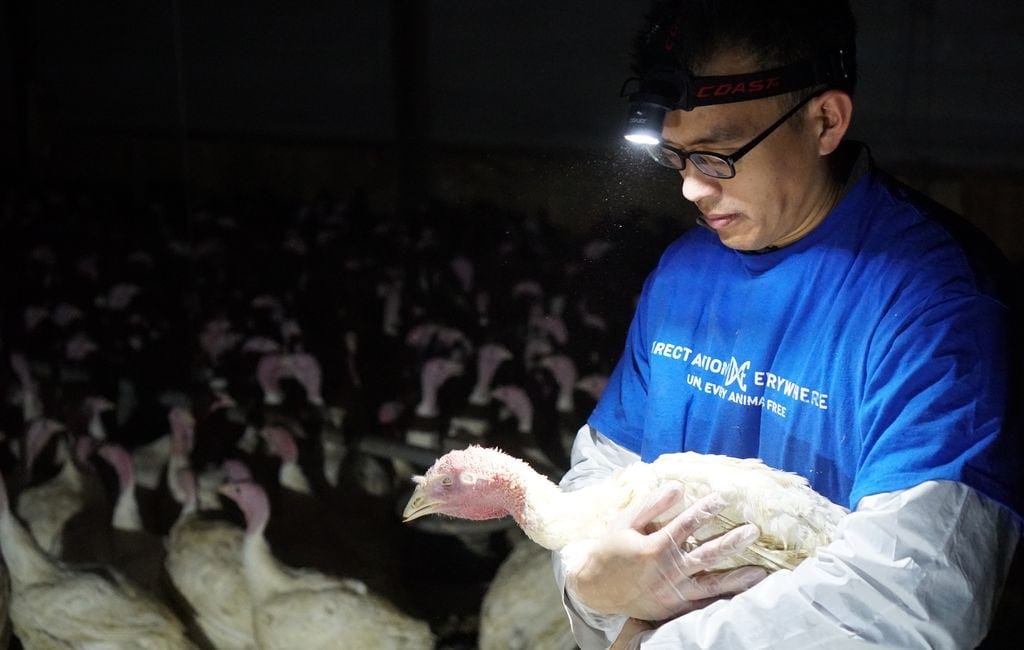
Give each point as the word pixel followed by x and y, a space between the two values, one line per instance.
pixel 645 122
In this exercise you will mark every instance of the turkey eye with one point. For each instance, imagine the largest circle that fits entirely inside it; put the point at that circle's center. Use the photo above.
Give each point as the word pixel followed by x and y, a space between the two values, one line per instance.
pixel 446 481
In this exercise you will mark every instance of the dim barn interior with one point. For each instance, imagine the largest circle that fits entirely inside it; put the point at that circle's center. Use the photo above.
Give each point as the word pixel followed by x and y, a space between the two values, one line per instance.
pixel 245 302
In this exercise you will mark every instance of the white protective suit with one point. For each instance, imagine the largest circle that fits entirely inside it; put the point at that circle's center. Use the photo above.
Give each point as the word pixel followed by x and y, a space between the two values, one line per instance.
pixel 915 568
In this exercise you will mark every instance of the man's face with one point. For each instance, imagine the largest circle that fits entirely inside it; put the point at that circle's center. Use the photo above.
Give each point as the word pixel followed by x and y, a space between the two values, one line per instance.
pixel 782 188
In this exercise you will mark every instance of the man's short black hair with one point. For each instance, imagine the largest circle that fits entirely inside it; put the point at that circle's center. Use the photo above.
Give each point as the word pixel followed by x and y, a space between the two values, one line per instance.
pixel 689 33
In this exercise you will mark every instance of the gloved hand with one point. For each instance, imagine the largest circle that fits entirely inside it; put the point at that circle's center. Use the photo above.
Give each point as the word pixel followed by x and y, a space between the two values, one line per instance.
pixel 653 576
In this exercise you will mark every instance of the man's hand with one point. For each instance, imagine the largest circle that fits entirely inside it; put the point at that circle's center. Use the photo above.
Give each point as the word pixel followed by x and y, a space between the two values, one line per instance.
pixel 651 576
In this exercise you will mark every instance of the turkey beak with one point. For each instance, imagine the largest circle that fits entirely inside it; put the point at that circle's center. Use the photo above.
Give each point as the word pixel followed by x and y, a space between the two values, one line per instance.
pixel 419 504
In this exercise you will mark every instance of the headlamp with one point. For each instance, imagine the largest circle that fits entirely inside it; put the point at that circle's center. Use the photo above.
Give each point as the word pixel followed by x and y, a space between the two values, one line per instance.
pixel 666 88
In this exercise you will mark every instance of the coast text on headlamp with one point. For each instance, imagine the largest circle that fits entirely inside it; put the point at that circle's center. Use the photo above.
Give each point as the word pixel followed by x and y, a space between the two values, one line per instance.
pixel 666 88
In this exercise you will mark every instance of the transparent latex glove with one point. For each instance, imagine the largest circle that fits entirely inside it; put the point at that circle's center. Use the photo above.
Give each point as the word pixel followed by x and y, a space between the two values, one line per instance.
pixel 653 576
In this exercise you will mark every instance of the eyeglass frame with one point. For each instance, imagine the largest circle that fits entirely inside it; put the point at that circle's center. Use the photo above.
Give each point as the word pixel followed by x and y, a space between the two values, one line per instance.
pixel 732 158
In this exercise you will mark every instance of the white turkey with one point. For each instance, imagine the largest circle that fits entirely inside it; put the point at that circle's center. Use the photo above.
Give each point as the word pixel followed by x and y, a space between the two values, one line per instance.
pixel 426 427
pixel 29 393
pixel 128 546
pixel 303 534
pixel 204 563
pixel 522 608
pixel 56 606
pixel 295 608
pixel 478 483
pixel 5 605
pixel 183 437
pixel 47 507
pixel 471 422
pixel 534 442
pixel 568 414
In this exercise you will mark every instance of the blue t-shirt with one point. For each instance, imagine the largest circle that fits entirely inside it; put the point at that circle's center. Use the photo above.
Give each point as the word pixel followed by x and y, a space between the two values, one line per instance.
pixel 868 356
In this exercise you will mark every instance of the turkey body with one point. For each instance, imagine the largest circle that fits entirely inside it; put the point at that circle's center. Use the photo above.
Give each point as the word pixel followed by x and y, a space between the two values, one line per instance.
pixel 297 608
pixel 334 614
pixel 522 608
pixel 57 606
pixel 47 507
pixel 479 483
pixel 83 609
pixel 204 564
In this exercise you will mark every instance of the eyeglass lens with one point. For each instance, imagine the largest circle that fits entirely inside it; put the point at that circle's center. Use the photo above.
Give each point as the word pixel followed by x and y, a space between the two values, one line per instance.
pixel 715 166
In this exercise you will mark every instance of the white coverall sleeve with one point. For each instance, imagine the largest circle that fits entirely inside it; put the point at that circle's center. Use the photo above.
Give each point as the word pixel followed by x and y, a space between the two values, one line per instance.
pixel 594 457
pixel 915 568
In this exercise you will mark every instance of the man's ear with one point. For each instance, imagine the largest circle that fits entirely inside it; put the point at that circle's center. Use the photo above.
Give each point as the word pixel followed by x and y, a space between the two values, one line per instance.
pixel 831 114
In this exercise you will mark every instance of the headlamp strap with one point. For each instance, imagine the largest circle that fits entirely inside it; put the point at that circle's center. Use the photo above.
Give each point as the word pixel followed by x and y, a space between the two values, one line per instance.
pixel 724 89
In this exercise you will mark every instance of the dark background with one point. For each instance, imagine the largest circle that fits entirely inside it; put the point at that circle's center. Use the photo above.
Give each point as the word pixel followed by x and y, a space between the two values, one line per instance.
pixel 513 102
pixel 202 115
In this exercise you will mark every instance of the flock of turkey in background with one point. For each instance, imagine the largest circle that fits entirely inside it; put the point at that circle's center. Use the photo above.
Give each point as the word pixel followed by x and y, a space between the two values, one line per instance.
pixel 210 423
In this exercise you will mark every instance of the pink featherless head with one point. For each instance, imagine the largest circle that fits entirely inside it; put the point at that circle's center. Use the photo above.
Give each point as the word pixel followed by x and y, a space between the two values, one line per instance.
pixel 221 401
pixel 419 336
pixel 252 500
pixel 120 460
pixel 474 483
pixel 99 404
pixel 261 344
pixel 181 416
pixel 530 288
pixel 281 443
pixel 235 470
pixel 462 267
pixel 593 385
pixel 438 370
pixel 290 328
pixel 389 412
pixel 490 357
pixel 555 327
pixel 515 399
pixel 562 367
pixel 307 370
pixel 78 347
pixel 182 429
pixel 84 447
pixel 268 372
pixel 451 336
pixel 482 461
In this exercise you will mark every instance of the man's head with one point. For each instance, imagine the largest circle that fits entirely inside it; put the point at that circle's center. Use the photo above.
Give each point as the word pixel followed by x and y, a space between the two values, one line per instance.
pixel 784 185
pixel 692 33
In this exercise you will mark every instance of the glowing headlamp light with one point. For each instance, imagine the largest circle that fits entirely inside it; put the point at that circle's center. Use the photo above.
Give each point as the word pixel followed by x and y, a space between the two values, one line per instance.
pixel 667 88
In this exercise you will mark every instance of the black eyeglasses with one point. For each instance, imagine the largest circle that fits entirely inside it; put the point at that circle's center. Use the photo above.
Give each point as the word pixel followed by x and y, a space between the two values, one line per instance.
pixel 713 164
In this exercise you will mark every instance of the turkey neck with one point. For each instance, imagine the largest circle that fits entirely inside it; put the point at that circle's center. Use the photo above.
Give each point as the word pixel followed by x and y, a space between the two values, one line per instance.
pixel 549 516
pixel 126 509
pixel 263 574
pixel 291 476
pixel 27 563
pixel 71 476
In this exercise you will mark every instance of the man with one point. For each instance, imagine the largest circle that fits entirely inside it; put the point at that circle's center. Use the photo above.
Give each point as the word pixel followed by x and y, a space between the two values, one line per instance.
pixel 825 319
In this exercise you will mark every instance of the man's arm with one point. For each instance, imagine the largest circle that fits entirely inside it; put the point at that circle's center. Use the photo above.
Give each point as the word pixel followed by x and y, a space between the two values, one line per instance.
pixel 892 577
pixel 916 568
